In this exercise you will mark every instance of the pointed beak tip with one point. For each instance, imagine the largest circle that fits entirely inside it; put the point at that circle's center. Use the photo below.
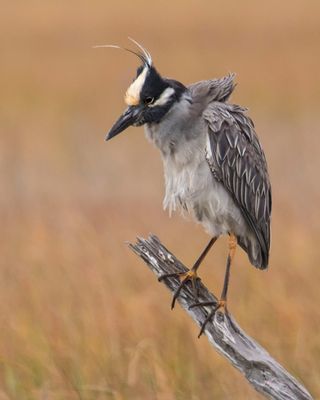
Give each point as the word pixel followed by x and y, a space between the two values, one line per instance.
pixel 110 135
pixel 128 118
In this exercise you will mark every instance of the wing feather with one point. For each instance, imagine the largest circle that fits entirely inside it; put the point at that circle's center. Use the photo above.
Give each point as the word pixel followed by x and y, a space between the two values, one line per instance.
pixel 238 162
pixel 213 89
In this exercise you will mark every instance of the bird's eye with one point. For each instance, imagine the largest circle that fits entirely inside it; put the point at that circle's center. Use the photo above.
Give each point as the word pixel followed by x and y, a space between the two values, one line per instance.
pixel 148 100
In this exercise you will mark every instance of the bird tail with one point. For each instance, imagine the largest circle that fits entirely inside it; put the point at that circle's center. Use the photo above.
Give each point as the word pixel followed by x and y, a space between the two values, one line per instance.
pixel 256 255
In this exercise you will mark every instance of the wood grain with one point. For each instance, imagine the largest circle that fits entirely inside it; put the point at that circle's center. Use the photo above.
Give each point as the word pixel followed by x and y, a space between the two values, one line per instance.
pixel 265 374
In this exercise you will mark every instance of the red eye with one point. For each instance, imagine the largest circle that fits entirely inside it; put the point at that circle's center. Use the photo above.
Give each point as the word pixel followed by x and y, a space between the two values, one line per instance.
pixel 148 100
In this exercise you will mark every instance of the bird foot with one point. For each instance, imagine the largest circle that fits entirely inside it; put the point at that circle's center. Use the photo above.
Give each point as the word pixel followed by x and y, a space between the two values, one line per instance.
pixel 221 306
pixel 184 278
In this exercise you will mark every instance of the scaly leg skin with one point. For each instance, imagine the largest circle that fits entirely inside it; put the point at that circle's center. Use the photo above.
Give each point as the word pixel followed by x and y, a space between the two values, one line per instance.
pixel 189 275
pixel 222 303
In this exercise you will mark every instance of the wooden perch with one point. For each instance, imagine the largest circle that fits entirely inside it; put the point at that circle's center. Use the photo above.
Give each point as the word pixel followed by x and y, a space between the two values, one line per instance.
pixel 260 369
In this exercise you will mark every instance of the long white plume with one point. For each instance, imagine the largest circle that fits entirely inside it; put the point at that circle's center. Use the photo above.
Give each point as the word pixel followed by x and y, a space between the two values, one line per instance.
pixel 143 54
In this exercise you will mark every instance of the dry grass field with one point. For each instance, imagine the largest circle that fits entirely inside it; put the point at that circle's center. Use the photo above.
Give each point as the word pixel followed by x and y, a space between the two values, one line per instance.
pixel 81 316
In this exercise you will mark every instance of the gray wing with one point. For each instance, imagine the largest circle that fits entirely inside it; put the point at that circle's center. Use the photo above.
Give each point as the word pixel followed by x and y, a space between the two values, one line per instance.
pixel 238 162
pixel 213 89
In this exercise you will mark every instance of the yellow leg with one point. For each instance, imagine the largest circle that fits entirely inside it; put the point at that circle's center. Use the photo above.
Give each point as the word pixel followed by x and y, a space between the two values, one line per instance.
pixel 232 250
pixel 222 303
pixel 232 245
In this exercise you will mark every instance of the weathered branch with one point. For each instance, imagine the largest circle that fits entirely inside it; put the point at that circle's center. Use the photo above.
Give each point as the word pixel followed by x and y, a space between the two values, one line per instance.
pixel 261 370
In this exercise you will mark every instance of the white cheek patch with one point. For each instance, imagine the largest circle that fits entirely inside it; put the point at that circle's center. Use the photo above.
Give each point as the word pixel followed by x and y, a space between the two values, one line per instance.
pixel 163 99
pixel 132 97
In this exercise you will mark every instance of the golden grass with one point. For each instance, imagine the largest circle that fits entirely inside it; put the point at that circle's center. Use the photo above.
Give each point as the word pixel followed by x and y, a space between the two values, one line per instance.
pixel 81 317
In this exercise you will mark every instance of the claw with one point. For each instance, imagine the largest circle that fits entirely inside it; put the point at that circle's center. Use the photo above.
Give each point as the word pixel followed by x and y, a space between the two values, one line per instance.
pixel 221 304
pixel 164 276
pixel 202 303
pixel 185 277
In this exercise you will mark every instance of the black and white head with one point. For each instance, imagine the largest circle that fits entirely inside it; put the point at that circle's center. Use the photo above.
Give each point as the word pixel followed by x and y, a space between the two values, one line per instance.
pixel 149 97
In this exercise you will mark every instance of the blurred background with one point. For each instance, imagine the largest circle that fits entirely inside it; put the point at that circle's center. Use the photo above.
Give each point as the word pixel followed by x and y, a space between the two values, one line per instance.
pixel 81 316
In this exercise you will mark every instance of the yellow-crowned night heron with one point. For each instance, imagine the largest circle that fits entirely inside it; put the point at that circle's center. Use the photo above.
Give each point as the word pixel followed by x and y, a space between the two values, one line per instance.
pixel 214 166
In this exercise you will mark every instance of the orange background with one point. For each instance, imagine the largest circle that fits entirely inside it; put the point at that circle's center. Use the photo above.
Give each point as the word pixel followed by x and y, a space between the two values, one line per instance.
pixel 82 317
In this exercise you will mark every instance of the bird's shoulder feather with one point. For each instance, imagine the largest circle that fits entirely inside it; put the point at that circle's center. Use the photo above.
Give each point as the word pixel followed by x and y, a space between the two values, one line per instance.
pixel 212 90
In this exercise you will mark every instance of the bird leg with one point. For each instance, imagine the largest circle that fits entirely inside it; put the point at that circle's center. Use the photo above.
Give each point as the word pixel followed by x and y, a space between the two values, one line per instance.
pixel 222 302
pixel 189 275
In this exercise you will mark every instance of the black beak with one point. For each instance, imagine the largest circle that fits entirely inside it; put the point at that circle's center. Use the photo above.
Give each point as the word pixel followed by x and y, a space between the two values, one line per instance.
pixel 128 118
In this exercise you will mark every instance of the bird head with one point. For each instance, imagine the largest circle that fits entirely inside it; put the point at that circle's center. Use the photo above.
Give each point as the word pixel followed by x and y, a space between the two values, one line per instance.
pixel 149 97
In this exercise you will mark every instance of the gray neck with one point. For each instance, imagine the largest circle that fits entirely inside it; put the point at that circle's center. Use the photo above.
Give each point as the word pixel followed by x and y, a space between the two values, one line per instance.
pixel 177 126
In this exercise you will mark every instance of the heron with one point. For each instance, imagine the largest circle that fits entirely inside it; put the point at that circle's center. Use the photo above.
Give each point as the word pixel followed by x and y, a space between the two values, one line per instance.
pixel 215 169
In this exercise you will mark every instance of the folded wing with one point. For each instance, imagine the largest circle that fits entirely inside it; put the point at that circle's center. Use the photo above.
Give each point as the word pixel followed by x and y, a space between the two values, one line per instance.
pixel 238 162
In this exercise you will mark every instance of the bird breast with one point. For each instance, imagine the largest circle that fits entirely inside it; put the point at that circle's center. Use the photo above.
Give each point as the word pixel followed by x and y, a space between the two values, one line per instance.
pixel 191 189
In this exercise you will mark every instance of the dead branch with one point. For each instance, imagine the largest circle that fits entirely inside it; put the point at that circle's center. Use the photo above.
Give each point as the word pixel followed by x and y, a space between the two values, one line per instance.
pixel 265 374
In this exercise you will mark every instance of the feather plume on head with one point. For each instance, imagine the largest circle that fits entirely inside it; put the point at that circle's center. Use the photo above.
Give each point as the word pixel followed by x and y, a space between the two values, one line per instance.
pixel 132 96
